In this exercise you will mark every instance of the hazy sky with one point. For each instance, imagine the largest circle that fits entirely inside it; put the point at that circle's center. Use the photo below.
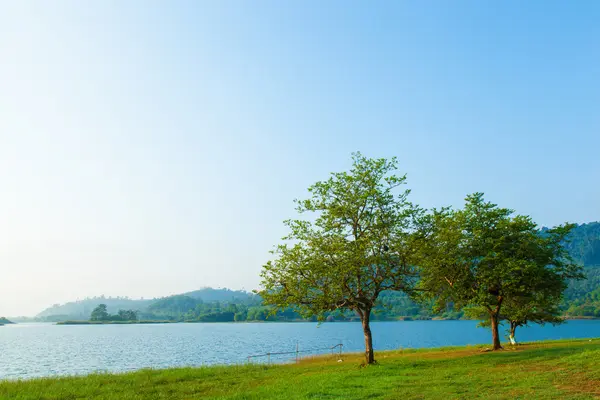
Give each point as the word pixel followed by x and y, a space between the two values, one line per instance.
pixel 150 148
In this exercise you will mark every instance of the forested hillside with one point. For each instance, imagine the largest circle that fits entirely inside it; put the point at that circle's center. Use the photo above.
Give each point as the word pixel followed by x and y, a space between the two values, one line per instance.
pixel 584 245
pixel 582 298
pixel 208 295
pixel 81 309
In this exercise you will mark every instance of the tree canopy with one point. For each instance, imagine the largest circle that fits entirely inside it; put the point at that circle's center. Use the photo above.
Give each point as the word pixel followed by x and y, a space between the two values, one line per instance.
pixel 354 243
pixel 99 313
pixel 486 256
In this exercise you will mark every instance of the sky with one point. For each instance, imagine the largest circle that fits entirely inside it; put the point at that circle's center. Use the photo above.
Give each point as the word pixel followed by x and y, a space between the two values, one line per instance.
pixel 149 148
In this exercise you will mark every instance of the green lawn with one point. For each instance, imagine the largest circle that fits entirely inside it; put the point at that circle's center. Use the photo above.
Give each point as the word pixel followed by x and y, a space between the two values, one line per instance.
pixel 545 370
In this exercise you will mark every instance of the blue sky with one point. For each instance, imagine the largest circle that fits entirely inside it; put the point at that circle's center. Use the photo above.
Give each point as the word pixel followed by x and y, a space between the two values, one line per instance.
pixel 149 148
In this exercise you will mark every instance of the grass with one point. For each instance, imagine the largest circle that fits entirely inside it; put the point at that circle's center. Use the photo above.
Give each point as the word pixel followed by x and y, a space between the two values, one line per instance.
pixel 543 370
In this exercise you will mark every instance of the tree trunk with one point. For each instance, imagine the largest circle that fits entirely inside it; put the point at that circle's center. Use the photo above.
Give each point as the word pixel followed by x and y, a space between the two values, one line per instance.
pixel 369 356
pixel 495 335
pixel 513 328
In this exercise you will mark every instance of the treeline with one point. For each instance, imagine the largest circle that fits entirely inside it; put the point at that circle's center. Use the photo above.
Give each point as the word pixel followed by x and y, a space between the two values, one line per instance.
pixel 100 313
pixel 584 244
pixel 184 308
pixel 81 309
pixel 181 308
pixel 582 298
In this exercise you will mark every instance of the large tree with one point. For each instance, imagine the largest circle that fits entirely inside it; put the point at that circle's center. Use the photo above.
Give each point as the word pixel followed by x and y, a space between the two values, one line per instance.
pixel 99 313
pixel 484 256
pixel 355 242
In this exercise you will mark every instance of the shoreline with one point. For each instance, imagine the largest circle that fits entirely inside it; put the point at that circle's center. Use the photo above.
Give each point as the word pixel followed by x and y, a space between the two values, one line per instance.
pixel 114 322
pixel 405 319
pixel 403 373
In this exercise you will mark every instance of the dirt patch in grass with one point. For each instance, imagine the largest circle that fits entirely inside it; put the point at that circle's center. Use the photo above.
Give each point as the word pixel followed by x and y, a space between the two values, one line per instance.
pixel 579 383
pixel 441 355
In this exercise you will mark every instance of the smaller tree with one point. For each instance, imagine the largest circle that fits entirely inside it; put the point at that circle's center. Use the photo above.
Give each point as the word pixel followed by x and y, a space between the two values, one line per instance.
pixel 99 313
pixel 520 311
pixel 537 309
pixel 539 304
pixel 483 256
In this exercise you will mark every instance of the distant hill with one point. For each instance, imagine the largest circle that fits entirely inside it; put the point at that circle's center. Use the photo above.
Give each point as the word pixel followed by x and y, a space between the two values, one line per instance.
pixel 178 304
pixel 209 295
pixel 582 298
pixel 584 244
pixel 81 309
pixel 4 321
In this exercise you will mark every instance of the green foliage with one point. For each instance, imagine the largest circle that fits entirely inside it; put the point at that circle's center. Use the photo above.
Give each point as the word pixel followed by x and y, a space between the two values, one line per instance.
pixel 392 305
pixel 99 313
pixel 224 295
pixel 127 315
pixel 581 298
pixel 81 309
pixel 185 308
pixel 485 256
pixel 539 306
pixel 584 244
pixel 354 244
pixel 173 305
pixel 587 306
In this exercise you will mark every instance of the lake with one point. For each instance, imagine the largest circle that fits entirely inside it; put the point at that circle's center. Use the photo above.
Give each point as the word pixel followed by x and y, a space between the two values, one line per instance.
pixel 35 350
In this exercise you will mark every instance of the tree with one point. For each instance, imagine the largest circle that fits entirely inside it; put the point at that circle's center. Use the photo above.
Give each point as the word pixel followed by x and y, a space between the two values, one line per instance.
pixel 356 243
pixel 127 315
pixel 540 302
pixel 240 316
pixel 484 256
pixel 99 313
pixel 539 308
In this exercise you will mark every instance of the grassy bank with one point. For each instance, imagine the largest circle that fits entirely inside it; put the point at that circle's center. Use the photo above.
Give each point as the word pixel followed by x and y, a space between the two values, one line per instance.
pixel 545 370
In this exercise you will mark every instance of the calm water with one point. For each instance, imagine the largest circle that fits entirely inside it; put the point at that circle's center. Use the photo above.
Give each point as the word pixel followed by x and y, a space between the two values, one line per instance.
pixel 32 350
